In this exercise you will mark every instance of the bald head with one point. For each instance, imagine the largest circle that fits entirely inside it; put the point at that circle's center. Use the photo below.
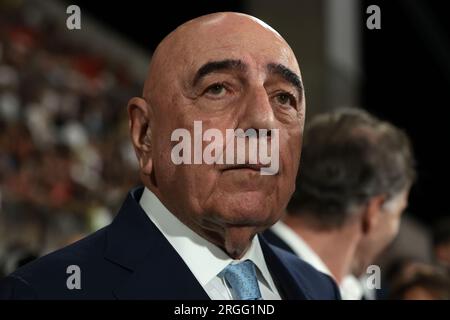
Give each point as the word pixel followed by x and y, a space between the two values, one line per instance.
pixel 225 71
pixel 221 32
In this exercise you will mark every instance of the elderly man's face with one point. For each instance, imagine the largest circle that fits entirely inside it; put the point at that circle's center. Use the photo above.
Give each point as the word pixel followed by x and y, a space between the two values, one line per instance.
pixel 229 72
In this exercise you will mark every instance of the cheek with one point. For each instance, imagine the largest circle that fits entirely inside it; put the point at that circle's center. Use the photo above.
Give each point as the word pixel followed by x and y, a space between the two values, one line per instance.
pixel 164 169
pixel 167 173
pixel 290 149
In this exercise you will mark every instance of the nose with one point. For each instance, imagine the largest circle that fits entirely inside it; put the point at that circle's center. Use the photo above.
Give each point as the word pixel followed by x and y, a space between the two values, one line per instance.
pixel 257 112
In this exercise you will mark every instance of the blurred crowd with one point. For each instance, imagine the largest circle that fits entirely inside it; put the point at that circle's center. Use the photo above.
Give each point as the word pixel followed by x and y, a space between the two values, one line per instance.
pixel 65 160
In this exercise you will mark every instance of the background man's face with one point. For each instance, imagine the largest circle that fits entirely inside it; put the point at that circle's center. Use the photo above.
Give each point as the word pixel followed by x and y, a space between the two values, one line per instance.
pixel 384 232
pixel 246 91
pixel 391 218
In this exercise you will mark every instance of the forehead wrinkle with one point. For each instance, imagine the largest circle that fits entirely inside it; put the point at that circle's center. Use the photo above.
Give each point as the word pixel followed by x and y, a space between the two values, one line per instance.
pixel 177 53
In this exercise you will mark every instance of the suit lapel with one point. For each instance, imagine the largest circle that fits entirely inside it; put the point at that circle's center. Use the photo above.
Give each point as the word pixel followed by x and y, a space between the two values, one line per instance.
pixel 274 239
pixel 156 269
pixel 162 276
pixel 289 288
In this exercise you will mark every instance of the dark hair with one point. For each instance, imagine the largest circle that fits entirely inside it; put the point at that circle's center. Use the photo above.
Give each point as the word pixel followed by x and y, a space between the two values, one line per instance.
pixel 349 156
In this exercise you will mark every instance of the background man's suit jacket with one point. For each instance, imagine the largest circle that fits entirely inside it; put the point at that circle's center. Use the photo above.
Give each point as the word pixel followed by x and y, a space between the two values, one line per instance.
pixel 131 259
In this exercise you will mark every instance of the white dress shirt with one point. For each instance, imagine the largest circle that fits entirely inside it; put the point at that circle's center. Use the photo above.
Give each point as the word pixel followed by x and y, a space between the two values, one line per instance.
pixel 350 287
pixel 203 258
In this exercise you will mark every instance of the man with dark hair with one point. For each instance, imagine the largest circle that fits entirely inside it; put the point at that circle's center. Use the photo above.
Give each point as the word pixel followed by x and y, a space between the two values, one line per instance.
pixel 355 175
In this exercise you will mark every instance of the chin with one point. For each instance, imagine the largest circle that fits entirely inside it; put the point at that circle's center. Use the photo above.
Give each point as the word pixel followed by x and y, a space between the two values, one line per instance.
pixel 248 209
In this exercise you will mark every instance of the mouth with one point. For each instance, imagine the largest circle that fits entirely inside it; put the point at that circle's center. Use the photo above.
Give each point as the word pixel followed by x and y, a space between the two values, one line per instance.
pixel 253 167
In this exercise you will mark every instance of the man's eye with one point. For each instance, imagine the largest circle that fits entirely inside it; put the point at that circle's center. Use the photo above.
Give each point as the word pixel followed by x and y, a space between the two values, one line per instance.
pixel 216 89
pixel 285 99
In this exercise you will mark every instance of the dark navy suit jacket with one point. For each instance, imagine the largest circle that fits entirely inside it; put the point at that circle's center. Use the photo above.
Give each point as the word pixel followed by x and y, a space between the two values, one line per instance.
pixel 131 259
pixel 272 238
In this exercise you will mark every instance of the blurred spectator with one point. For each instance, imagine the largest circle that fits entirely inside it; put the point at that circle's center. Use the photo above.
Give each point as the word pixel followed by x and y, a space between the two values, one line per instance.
pixel 441 243
pixel 413 280
pixel 60 118
pixel 355 175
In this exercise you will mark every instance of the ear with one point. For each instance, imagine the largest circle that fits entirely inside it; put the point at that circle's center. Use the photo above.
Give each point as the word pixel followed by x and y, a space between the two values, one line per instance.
pixel 371 214
pixel 139 115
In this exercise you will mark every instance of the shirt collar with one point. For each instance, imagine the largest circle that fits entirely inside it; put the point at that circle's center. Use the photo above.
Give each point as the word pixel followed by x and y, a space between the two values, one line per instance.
pixel 350 286
pixel 204 259
pixel 300 247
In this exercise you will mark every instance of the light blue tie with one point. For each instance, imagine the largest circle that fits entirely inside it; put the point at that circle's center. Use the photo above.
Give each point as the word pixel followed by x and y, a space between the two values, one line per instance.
pixel 242 280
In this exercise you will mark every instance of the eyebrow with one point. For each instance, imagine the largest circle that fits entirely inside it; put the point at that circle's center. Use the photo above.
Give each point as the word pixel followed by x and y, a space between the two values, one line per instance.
pixel 231 64
pixel 213 66
pixel 288 75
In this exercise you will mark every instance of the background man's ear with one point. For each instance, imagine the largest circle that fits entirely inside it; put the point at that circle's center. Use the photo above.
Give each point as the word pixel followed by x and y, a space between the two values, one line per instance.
pixel 371 214
pixel 140 131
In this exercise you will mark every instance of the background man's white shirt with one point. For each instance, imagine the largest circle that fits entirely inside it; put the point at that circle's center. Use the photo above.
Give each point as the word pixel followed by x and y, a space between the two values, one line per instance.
pixel 350 288
pixel 203 258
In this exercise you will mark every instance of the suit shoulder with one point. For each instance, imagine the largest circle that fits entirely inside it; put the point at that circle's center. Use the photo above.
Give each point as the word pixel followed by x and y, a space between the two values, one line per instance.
pixel 318 285
pixel 52 268
pixel 79 251
pixel 14 287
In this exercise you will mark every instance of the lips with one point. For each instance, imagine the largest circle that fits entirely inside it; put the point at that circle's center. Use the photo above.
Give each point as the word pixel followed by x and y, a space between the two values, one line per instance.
pixel 255 167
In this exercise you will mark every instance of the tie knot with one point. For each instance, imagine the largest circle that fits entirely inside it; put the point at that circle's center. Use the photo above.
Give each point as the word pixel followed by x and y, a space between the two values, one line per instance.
pixel 241 278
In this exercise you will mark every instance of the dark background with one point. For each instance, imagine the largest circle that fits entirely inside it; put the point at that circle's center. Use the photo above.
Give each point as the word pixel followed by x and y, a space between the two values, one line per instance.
pixel 407 76
pixel 406 73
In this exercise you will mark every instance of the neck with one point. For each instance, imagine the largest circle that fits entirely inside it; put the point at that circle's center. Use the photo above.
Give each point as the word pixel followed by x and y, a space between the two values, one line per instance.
pixel 233 240
pixel 336 247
